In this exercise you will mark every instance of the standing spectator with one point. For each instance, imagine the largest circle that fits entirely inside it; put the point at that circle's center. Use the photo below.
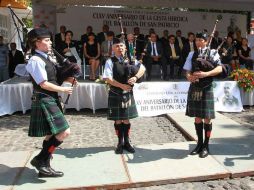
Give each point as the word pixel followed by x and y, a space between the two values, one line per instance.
pixel 92 54
pixel 140 42
pixel 164 38
pixel 173 57
pixel 238 39
pixel 216 40
pixel 102 36
pixel 180 41
pixel 4 60
pixel 15 57
pixel 84 37
pixel 244 55
pixel 154 54
pixel 60 37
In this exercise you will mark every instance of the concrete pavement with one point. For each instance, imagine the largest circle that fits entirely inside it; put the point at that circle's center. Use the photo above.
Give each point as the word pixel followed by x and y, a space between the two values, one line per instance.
pixel 152 164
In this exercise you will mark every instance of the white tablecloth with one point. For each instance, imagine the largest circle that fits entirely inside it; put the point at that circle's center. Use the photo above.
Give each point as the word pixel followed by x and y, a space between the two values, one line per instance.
pixel 88 95
pixel 16 96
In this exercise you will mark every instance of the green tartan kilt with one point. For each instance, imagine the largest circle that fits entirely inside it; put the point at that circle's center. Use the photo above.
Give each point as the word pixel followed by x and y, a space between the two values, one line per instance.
pixel 46 116
pixel 115 110
pixel 203 108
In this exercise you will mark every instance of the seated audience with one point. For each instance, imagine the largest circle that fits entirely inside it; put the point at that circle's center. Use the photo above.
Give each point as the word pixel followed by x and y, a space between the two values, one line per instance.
pixel 228 53
pixel 154 52
pixel 68 48
pixel 92 54
pixel 173 56
pixel 244 55
pixel 106 47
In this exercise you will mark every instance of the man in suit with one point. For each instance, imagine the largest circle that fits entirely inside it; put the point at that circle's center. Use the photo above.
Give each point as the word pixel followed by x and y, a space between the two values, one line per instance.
pixel 102 36
pixel 173 56
pixel 189 46
pixel 84 37
pixel 216 40
pixel 154 53
pixel 15 57
pixel 60 37
pixel 179 40
pixel 130 46
pixel 164 38
pixel 106 47
pixel 140 42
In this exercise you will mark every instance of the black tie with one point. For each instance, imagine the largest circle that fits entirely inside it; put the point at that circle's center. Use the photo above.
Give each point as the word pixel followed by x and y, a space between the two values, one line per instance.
pixel 153 49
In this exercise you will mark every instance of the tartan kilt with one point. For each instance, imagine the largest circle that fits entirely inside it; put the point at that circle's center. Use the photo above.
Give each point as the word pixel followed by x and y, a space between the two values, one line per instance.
pixel 203 108
pixel 115 110
pixel 46 116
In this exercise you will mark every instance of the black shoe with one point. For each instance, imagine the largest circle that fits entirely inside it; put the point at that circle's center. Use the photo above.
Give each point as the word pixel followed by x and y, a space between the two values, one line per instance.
pixel 41 166
pixel 128 147
pixel 119 149
pixel 196 150
pixel 204 153
pixel 52 174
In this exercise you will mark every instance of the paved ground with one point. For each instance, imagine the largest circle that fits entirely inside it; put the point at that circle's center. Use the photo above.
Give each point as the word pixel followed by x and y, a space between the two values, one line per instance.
pixel 90 130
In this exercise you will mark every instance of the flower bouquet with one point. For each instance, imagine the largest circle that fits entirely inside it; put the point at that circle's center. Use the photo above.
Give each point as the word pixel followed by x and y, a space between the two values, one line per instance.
pixel 244 78
pixel 100 80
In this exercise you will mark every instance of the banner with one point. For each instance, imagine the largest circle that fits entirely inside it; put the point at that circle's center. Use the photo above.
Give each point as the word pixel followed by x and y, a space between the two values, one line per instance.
pixel 156 98
pixel 78 18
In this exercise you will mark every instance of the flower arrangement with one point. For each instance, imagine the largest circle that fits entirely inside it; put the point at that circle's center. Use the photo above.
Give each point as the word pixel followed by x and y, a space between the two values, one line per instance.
pixel 100 80
pixel 244 78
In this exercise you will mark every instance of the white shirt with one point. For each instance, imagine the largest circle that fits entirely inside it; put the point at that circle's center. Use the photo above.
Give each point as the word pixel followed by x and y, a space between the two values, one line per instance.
pixel 188 63
pixel 191 46
pixel 36 68
pixel 155 49
pixel 108 70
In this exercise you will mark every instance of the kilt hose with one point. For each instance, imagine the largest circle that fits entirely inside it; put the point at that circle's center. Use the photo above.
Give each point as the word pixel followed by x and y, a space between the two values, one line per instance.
pixel 203 108
pixel 46 116
pixel 115 110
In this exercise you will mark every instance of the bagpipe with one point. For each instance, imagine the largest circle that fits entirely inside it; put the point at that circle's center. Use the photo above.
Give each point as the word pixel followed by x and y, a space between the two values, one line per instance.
pixel 204 61
pixel 131 69
pixel 66 68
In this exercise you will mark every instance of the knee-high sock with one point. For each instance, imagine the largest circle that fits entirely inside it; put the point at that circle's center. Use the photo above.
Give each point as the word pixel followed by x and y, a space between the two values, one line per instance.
pixel 119 132
pixel 48 147
pixel 208 130
pixel 199 132
pixel 126 132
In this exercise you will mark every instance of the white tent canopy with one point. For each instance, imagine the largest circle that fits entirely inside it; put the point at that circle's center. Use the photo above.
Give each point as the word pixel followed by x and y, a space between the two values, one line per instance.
pixel 237 5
